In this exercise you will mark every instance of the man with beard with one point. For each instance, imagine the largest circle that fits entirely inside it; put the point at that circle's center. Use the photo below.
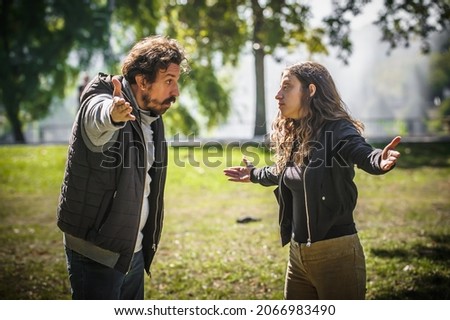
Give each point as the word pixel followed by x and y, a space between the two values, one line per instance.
pixel 111 203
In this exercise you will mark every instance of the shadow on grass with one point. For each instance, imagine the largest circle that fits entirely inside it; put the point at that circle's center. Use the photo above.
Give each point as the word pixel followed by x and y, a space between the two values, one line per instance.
pixel 433 285
pixel 33 280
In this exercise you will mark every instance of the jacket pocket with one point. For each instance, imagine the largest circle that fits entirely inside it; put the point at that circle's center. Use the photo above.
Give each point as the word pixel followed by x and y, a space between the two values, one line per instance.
pixel 104 209
pixel 328 198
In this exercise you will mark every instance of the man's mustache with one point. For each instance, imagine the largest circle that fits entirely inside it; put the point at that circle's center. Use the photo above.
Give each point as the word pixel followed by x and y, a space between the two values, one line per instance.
pixel 171 99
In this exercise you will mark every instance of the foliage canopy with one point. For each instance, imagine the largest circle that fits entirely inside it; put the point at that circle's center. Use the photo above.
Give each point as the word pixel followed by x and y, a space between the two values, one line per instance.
pixel 45 44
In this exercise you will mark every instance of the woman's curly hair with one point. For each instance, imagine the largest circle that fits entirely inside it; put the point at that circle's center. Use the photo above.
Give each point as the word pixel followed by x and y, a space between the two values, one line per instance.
pixel 292 139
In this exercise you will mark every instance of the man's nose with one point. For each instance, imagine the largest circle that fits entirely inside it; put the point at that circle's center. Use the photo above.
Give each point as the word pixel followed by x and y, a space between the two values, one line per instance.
pixel 176 91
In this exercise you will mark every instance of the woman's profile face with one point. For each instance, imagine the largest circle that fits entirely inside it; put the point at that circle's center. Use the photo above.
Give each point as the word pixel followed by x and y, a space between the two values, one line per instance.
pixel 289 97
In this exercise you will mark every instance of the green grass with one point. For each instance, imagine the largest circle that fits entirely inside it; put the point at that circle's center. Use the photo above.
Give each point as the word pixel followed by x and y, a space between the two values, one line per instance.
pixel 403 219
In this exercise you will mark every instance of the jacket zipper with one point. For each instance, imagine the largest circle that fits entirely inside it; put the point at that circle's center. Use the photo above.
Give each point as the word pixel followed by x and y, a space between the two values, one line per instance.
pixel 137 126
pixel 154 246
pixel 281 197
pixel 308 241
pixel 142 195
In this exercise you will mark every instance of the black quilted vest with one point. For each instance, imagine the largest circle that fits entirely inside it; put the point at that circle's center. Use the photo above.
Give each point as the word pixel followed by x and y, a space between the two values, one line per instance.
pixel 102 190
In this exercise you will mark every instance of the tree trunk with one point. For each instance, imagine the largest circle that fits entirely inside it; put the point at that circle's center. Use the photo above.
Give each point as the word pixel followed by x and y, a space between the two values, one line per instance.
pixel 16 125
pixel 258 52
pixel 260 119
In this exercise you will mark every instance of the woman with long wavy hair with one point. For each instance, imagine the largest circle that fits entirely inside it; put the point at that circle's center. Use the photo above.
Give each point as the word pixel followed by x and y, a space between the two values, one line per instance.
pixel 317 145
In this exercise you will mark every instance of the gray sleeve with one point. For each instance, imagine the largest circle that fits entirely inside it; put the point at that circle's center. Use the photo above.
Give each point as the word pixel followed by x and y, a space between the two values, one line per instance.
pixel 97 125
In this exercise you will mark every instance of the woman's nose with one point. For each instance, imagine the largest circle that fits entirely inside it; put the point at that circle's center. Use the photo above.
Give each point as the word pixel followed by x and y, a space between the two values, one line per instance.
pixel 278 96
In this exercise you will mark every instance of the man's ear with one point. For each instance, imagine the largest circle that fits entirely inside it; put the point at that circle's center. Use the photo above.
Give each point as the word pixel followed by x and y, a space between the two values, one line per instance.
pixel 312 90
pixel 140 81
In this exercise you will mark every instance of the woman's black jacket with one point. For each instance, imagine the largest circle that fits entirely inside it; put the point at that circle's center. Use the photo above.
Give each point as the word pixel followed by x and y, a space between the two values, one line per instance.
pixel 330 194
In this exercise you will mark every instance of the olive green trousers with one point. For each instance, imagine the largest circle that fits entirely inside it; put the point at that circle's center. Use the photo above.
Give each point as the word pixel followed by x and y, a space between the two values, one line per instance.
pixel 333 269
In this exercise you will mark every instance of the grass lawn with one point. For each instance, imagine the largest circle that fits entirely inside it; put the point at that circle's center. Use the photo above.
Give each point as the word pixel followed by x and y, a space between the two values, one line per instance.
pixel 403 219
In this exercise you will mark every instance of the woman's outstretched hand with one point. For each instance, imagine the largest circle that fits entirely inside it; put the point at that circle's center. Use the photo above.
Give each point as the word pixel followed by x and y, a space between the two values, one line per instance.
pixel 389 156
pixel 240 173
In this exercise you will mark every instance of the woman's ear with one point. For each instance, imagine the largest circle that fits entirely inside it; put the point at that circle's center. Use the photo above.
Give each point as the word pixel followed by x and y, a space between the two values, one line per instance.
pixel 312 90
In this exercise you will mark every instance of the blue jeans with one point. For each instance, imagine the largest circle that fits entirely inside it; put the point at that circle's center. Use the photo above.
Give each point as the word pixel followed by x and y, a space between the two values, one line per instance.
pixel 91 280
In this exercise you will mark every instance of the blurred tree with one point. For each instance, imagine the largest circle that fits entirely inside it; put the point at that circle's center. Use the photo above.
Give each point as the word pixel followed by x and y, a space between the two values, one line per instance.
pixel 440 69
pixel 135 19
pixel 224 28
pixel 400 21
pixel 131 20
pixel 440 79
pixel 36 39
pixel 217 32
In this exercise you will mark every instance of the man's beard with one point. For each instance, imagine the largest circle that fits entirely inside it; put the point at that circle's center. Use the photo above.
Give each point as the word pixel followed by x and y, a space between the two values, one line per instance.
pixel 157 107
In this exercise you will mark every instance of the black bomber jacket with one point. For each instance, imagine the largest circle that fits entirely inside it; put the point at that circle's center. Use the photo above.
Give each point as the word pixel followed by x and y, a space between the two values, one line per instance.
pixel 330 194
